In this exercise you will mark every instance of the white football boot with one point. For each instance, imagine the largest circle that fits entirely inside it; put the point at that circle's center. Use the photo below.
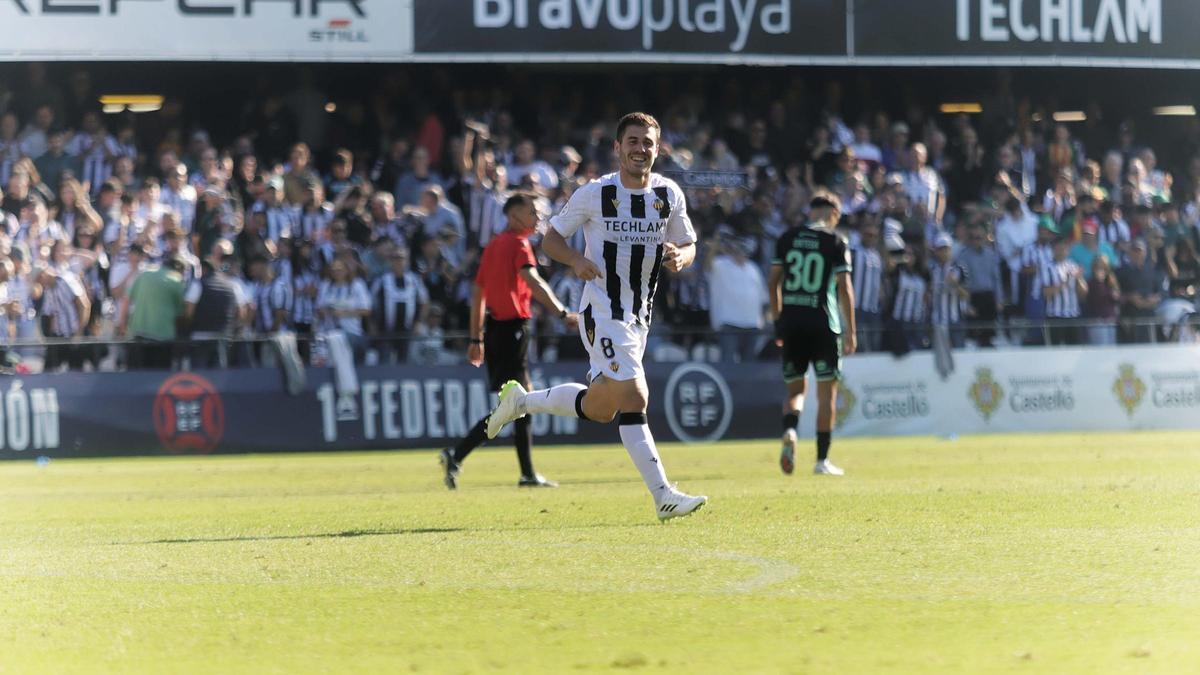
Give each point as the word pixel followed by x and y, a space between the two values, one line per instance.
pixel 511 407
pixel 787 456
pixel 672 503
pixel 825 467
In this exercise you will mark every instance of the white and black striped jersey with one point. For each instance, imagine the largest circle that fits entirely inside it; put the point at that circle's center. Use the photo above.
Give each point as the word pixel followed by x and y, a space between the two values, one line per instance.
pixel 396 301
pixel 10 152
pixel 625 231
pixel 946 303
pixel 1114 233
pixel 269 298
pixel 282 222
pixel 867 266
pixel 485 213
pixel 59 308
pixel 1035 255
pixel 304 305
pixel 1063 303
pixel 182 202
pixel 908 298
pixel 95 158
pixel 314 223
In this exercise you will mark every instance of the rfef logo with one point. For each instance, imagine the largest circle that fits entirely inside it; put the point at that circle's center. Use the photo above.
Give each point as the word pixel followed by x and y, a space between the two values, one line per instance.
pixel 698 403
pixel 188 414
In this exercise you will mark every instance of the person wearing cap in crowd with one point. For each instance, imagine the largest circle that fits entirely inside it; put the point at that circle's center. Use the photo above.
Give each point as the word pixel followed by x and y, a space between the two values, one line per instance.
pixel 739 298
pixel 948 291
pixel 908 285
pixel 1089 246
pixel 150 315
pixel 281 217
pixel 1062 284
pixel 1143 287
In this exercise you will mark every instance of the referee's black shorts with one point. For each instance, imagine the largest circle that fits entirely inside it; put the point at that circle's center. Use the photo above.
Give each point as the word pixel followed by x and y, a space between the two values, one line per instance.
pixel 506 351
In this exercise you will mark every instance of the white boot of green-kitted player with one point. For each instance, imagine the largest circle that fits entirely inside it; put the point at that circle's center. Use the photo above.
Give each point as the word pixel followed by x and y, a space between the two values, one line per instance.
pixel 511 407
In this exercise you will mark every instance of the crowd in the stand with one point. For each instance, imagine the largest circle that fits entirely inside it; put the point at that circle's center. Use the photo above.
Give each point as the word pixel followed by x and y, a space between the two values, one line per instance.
pixel 143 227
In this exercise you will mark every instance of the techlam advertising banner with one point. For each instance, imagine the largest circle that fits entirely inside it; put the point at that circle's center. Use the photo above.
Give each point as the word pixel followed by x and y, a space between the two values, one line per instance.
pixel 720 30
pixel 1073 32
pixel 101 414
pixel 205 30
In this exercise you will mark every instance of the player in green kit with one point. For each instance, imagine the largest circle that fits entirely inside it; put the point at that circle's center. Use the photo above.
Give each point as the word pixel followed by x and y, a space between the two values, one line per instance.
pixel 812 300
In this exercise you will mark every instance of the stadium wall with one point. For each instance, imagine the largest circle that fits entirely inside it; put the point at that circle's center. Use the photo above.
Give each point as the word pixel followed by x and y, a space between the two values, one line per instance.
pixel 241 411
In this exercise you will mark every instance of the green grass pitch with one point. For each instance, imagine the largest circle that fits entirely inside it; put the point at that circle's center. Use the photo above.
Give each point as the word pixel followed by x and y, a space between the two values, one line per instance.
pixel 1047 553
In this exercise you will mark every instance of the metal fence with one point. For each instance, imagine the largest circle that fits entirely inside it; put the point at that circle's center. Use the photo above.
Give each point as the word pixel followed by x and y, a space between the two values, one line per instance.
pixel 667 344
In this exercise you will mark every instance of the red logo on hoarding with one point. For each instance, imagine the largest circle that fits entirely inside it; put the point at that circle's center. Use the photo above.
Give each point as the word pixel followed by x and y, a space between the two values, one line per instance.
pixel 188 414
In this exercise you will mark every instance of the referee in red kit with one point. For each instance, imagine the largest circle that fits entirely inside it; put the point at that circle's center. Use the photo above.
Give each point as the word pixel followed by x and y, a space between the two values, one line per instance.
pixel 507 280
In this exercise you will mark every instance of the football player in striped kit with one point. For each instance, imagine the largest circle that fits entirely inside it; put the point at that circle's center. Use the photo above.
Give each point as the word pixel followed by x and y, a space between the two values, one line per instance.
pixel 635 223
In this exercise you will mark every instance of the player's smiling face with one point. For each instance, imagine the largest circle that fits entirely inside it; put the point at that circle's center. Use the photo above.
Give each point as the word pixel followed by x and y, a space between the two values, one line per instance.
pixel 638 150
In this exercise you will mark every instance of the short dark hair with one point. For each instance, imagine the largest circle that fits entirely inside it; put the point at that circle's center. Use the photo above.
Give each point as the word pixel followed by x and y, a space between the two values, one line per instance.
pixel 637 119
pixel 518 199
pixel 825 200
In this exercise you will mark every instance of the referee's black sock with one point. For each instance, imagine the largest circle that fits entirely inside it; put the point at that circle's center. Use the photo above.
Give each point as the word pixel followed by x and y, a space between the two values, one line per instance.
pixel 791 420
pixel 474 438
pixel 823 440
pixel 523 439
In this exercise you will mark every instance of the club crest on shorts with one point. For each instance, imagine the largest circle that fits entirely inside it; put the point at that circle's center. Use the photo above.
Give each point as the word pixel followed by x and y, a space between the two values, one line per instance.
pixel 614 366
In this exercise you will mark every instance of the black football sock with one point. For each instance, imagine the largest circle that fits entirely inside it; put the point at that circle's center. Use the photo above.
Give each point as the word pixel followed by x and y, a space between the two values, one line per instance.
pixel 476 437
pixel 791 420
pixel 823 439
pixel 523 439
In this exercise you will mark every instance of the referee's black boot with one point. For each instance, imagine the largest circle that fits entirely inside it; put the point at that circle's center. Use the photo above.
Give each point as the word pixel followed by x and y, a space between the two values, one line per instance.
pixel 536 480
